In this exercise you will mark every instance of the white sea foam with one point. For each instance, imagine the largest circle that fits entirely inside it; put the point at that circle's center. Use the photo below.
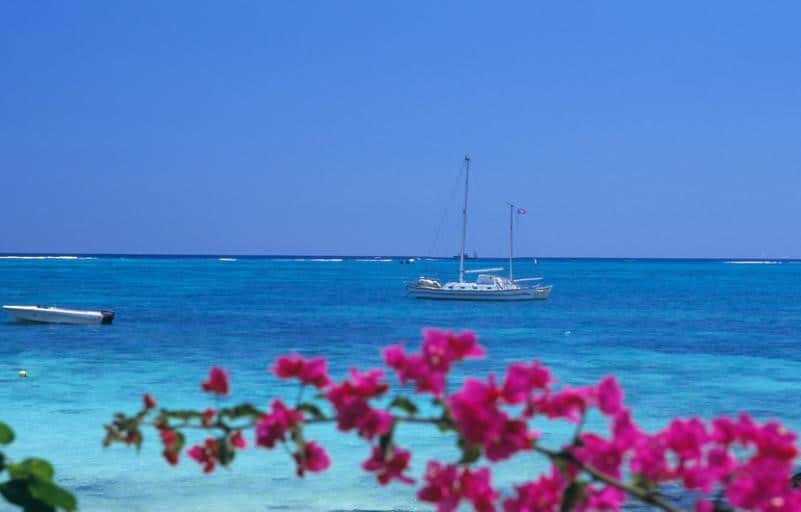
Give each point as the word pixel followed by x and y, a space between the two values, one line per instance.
pixel 753 262
pixel 47 258
pixel 329 260
pixel 376 260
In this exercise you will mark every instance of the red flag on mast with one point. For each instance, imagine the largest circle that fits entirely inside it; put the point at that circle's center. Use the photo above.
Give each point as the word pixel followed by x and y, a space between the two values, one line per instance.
pixel 521 211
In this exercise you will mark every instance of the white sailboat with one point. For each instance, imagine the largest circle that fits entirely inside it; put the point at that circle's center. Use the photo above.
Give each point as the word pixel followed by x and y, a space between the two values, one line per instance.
pixel 487 286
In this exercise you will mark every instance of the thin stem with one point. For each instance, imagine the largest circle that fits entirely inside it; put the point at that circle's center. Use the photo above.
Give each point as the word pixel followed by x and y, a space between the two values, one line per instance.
pixel 644 495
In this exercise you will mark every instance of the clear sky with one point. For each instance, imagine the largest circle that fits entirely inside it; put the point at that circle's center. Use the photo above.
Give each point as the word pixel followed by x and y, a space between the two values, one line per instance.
pixel 639 129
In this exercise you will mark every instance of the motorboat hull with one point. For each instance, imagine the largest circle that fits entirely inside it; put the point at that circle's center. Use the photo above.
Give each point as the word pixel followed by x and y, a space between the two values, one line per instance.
pixel 53 315
pixel 518 294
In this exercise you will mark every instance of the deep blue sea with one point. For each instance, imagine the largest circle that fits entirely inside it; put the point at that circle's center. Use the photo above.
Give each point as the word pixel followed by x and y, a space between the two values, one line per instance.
pixel 684 337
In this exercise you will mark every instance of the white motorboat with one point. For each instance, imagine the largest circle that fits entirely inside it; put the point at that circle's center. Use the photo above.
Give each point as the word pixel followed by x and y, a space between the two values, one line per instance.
pixel 54 315
pixel 487 286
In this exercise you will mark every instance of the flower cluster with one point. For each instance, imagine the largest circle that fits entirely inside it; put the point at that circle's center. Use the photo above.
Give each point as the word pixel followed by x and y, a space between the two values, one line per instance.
pixel 739 461
pixel 428 369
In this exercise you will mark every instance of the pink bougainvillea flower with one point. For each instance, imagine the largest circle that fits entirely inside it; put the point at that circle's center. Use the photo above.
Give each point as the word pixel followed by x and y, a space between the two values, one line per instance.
pixel 271 427
pixel 217 383
pixel 599 453
pixel 649 458
pixel 350 409
pixel 413 368
pixel 568 403
pixel 513 436
pixel 389 467
pixel 366 385
pixel 208 416
pixel 314 459
pixel 168 437
pixel 724 431
pixel 374 423
pixel 760 484
pixel 522 380
pixel 436 350
pixel 475 410
pixel 349 399
pixel 625 434
pixel 446 486
pixel 170 440
pixel 544 494
pixel 476 487
pixel 205 454
pixel 308 371
pixel 776 441
pixel 429 368
pixel 441 486
pixel 610 396
pixel 148 402
pixel 608 499
pixel 686 438
pixel 237 440
pixel 441 348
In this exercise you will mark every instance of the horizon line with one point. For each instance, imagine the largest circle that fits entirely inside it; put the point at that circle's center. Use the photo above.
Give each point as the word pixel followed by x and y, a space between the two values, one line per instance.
pixel 393 256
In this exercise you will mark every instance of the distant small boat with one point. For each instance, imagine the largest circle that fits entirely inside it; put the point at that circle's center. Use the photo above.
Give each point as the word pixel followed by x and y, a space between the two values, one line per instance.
pixel 474 256
pixel 54 315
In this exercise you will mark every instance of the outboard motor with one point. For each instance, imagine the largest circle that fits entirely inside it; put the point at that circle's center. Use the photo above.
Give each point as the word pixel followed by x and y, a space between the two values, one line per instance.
pixel 108 316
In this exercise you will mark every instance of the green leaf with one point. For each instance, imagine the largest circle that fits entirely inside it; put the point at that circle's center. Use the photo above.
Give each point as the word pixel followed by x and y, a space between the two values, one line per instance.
pixel 572 496
pixel 470 452
pixel 6 434
pixel 38 468
pixel 180 441
pixel 241 411
pixel 50 493
pixel 312 409
pixel 225 452
pixel 404 404
pixel 17 492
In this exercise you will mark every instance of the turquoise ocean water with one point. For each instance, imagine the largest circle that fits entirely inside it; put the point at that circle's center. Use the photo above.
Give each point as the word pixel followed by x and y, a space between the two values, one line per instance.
pixel 684 337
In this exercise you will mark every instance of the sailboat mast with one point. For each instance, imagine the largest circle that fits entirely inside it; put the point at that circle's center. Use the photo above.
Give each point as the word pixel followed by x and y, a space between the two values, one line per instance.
pixel 464 218
pixel 511 238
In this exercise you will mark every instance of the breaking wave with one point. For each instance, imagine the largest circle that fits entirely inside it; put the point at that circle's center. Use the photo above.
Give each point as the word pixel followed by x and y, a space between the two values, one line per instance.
pixel 47 258
pixel 753 262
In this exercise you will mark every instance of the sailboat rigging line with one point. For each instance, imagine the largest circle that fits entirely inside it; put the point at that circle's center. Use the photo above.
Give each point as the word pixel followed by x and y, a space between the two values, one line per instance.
pixel 446 209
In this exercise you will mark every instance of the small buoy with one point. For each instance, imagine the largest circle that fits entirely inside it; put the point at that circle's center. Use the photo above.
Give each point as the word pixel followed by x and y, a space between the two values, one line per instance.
pixel 23 374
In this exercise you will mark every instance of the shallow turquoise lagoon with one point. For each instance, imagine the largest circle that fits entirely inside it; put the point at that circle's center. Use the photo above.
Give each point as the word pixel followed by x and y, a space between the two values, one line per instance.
pixel 684 337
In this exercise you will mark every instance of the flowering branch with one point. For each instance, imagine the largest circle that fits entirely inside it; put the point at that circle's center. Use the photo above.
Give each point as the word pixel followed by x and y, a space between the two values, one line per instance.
pixel 644 495
pixel 740 460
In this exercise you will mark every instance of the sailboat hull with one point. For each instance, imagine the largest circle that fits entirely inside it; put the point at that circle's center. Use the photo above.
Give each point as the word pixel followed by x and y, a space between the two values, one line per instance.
pixel 519 294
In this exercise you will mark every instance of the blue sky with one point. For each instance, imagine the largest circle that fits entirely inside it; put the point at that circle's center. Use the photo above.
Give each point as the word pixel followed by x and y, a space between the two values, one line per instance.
pixel 631 129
